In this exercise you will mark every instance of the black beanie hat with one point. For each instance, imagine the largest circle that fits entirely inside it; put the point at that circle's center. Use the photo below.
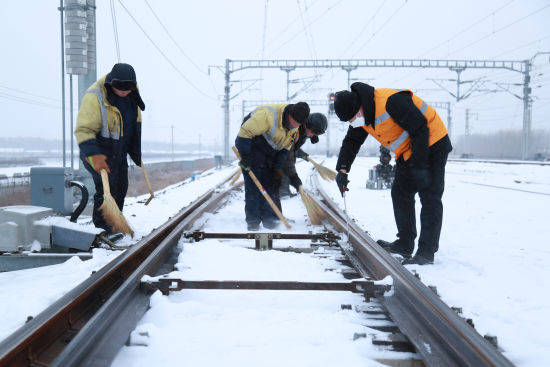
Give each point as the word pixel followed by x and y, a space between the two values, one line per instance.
pixel 299 112
pixel 346 105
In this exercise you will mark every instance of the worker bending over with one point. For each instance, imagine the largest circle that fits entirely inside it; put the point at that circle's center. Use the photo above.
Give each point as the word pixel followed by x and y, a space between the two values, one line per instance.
pixel 264 141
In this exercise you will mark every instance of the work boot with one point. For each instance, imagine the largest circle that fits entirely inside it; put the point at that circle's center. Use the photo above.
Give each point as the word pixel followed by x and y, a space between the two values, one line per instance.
pixel 397 247
pixel 420 258
pixel 253 226
pixel 271 223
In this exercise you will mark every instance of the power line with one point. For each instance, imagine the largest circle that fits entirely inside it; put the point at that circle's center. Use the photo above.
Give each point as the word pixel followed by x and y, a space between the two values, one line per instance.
pixel 30 94
pixel 115 29
pixel 500 29
pixel 29 101
pixel 468 28
pixel 172 38
pixel 288 26
pixel 367 24
pixel 302 29
pixel 163 54
pixel 380 28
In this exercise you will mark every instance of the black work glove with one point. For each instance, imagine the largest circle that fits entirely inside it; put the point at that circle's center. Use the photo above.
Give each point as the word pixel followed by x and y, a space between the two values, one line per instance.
pixel 277 177
pixel 295 182
pixel 245 163
pixel 342 182
pixel 421 177
pixel 301 154
pixel 314 139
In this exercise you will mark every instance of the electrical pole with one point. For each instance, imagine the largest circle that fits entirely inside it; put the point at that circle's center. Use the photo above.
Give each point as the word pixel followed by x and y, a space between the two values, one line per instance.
pixel 172 128
pixel 227 90
pixel 527 103
pixel 61 9
pixel 467 138
pixel 288 70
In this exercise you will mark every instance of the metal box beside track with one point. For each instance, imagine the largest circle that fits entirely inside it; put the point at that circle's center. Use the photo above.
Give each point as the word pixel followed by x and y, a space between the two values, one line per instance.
pixel 49 188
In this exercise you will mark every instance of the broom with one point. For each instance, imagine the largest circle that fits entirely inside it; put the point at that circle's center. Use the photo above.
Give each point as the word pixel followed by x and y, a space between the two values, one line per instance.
pixel 151 193
pixel 236 177
pixel 110 211
pixel 313 211
pixel 326 173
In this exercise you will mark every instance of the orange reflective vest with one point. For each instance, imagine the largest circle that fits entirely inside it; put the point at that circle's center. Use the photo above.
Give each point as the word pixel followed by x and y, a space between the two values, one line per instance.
pixel 393 136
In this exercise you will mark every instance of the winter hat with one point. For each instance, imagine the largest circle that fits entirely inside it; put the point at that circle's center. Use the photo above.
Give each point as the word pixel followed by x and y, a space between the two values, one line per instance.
pixel 346 105
pixel 122 77
pixel 317 123
pixel 299 112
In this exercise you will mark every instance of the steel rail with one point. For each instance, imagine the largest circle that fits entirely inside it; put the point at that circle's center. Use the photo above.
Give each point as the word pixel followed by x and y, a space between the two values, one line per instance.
pixel 50 334
pixel 440 336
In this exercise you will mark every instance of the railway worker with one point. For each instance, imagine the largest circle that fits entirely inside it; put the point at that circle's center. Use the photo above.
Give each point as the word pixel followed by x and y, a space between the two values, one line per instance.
pixel 413 130
pixel 108 128
pixel 315 125
pixel 264 141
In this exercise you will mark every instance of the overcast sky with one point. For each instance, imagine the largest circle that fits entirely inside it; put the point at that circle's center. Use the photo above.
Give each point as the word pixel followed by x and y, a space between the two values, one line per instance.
pixel 209 31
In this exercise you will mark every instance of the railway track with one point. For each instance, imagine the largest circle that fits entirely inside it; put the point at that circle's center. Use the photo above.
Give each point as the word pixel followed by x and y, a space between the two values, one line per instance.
pixel 89 325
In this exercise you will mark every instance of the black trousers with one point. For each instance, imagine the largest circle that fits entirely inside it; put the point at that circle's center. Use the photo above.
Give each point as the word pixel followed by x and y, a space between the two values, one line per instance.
pixel 431 214
pixel 118 184
pixel 256 208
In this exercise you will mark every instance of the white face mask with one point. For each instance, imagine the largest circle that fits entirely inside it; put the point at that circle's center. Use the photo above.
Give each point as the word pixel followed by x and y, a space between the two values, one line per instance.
pixel 358 122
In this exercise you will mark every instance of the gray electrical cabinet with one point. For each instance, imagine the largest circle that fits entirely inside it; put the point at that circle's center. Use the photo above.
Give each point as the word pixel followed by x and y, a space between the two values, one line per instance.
pixel 50 188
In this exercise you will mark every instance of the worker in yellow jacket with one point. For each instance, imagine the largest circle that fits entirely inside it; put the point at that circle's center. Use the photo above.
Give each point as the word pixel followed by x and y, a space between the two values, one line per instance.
pixel 264 140
pixel 413 130
pixel 108 128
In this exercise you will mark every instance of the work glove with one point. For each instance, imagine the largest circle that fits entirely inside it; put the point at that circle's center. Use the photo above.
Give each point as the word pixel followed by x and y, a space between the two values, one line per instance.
pixel 277 177
pixel 342 182
pixel 314 139
pixel 421 177
pixel 301 154
pixel 245 164
pixel 98 162
pixel 295 182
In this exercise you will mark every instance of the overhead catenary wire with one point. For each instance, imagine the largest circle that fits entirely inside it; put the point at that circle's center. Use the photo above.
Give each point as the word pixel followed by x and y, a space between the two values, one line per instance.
pixel 307 25
pixel 500 29
pixel 367 24
pixel 479 21
pixel 379 29
pixel 164 55
pixel 115 29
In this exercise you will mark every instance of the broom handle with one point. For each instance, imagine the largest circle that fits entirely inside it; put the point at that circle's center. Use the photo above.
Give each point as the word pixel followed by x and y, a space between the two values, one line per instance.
pixel 264 193
pixel 146 178
pixel 105 181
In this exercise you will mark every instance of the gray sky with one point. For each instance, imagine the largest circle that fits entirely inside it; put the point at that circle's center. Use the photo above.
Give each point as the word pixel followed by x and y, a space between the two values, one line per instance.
pixel 210 31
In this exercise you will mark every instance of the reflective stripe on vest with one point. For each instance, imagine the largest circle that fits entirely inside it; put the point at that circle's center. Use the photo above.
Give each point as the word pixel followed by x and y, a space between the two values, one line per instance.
pixel 104 127
pixel 268 136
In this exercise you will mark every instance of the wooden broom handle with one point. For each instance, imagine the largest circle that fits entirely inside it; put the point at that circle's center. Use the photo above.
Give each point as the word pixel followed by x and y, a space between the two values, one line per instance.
pixel 146 178
pixel 264 193
pixel 105 182
pixel 151 194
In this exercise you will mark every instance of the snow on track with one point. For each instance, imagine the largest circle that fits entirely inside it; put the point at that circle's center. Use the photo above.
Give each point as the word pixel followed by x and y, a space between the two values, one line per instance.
pixel 494 248
pixel 252 327
pixel 26 293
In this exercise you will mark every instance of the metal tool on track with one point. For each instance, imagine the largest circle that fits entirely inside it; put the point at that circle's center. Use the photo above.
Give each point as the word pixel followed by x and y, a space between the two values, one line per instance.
pixel 346 214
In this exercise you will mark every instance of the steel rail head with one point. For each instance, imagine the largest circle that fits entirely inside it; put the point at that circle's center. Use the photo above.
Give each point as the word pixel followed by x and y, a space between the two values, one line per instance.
pixel 437 332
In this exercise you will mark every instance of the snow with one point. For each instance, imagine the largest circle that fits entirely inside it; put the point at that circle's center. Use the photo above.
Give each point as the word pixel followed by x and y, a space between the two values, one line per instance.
pixel 28 292
pixel 494 247
pixel 251 327
pixel 492 262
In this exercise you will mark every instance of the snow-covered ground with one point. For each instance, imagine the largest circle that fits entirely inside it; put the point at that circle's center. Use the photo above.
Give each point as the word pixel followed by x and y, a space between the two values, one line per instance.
pixel 252 328
pixel 494 247
pixel 27 292
pixel 492 262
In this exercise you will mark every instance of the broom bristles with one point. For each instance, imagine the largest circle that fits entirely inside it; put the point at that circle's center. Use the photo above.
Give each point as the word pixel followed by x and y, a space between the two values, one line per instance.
pixel 114 217
pixel 313 211
pixel 326 173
